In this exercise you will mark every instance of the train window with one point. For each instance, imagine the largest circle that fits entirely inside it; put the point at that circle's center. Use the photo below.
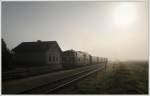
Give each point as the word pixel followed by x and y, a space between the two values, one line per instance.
pixel 75 54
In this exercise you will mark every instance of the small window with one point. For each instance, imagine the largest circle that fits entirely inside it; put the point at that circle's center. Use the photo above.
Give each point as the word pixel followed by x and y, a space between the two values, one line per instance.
pixel 50 58
pixel 56 58
pixel 53 58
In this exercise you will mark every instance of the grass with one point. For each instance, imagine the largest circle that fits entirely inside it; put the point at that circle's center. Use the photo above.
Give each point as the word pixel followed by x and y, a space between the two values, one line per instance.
pixel 119 78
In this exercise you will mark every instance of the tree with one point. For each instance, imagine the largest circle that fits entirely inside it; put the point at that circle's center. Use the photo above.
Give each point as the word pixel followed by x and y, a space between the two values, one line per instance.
pixel 6 56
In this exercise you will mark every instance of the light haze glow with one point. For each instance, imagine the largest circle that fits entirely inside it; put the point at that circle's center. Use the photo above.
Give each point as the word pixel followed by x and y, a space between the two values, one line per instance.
pixel 117 30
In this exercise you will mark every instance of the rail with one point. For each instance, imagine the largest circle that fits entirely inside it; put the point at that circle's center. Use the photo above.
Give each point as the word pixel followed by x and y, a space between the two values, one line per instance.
pixel 42 84
pixel 52 87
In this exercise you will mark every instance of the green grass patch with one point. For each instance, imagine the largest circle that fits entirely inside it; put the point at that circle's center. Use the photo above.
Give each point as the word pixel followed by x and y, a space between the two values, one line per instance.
pixel 119 78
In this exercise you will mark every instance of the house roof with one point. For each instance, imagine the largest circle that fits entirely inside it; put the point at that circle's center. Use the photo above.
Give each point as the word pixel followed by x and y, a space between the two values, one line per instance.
pixel 35 46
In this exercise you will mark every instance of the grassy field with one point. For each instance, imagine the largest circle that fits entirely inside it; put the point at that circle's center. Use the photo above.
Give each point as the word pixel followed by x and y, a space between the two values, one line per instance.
pixel 118 78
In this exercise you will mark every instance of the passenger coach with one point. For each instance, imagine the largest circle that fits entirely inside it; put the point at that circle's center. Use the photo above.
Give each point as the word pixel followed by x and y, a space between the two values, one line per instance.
pixel 72 58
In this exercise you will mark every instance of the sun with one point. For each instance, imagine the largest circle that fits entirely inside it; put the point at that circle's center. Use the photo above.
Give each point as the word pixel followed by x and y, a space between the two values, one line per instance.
pixel 125 14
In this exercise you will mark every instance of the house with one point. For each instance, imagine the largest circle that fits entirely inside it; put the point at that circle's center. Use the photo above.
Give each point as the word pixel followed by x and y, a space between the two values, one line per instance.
pixel 38 53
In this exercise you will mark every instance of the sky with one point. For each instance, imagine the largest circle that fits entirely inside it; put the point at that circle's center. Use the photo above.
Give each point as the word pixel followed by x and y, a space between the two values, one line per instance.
pixel 116 30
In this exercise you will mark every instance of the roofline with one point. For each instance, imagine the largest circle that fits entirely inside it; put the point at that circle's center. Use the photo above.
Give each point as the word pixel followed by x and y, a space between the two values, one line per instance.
pixel 14 49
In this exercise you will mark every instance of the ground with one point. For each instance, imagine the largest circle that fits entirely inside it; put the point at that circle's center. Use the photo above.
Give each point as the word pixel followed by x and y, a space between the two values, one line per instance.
pixel 118 78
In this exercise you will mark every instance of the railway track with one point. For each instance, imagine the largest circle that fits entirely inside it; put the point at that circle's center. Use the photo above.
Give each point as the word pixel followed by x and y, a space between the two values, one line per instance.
pixel 52 87
pixel 48 88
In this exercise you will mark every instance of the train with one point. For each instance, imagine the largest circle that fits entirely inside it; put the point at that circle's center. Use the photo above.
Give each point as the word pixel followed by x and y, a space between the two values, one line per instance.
pixel 72 58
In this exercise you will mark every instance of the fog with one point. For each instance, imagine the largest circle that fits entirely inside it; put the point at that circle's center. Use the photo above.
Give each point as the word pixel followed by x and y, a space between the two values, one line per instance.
pixel 117 30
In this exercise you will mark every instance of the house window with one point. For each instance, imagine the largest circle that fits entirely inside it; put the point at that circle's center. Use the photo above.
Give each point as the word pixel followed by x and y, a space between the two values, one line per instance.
pixel 54 58
pixel 50 58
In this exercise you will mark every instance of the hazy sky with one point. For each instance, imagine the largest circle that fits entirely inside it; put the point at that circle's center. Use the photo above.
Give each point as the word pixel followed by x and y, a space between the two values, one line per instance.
pixel 117 30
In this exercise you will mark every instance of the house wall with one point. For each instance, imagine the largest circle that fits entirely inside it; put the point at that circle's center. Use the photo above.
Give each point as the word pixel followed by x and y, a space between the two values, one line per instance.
pixel 39 58
pixel 53 56
pixel 34 58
